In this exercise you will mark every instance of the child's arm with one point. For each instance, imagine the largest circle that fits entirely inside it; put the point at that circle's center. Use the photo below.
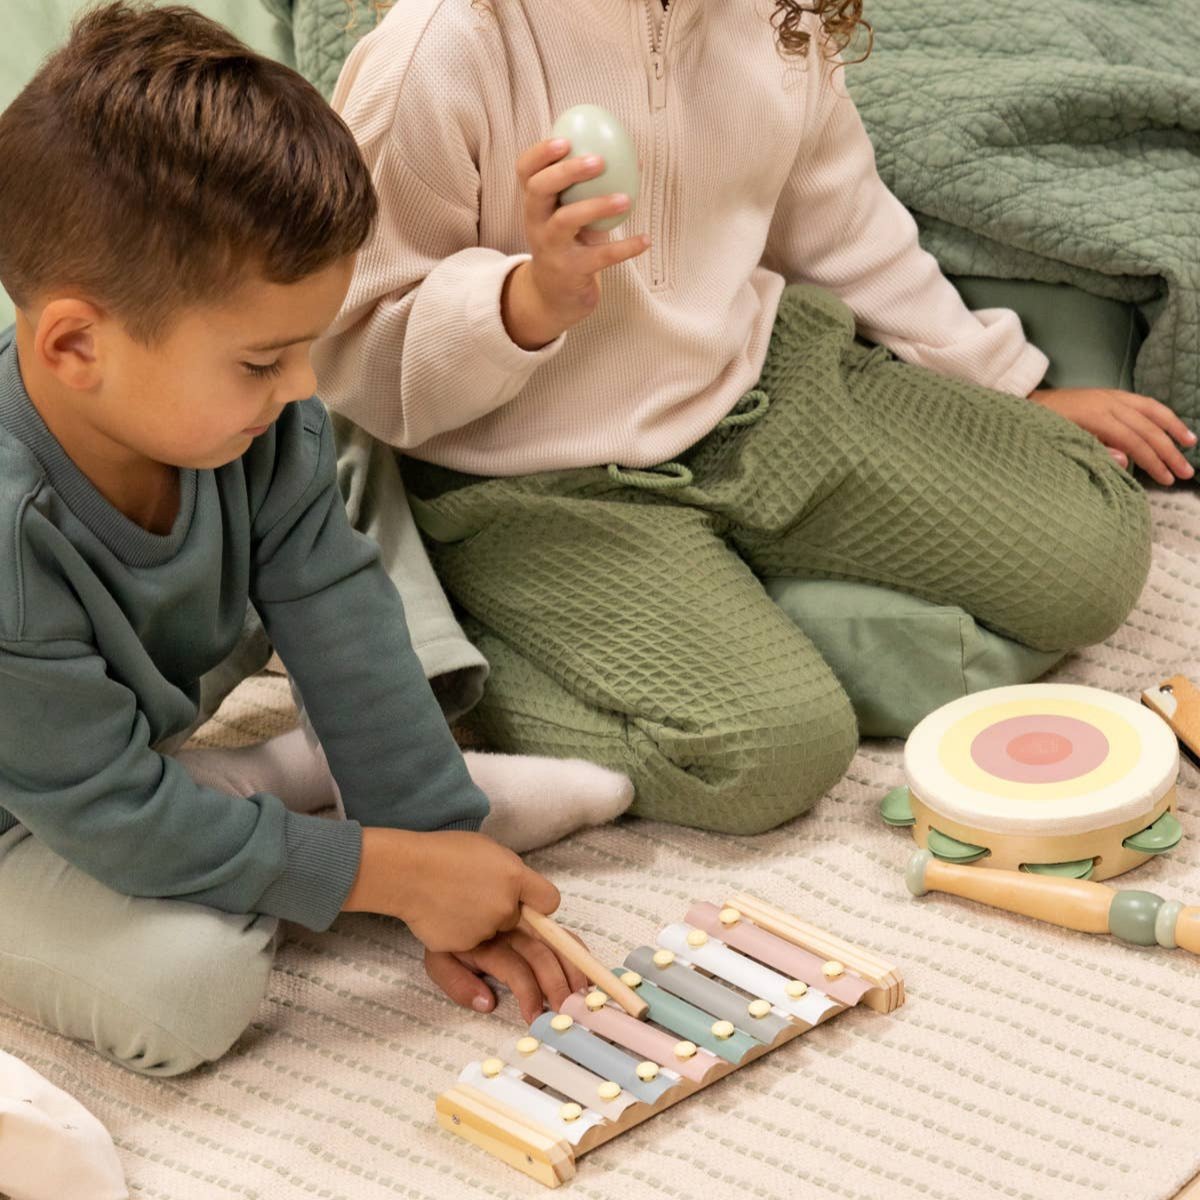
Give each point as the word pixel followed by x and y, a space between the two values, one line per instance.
pixel 78 772
pixel 420 346
pixel 338 624
pixel 837 225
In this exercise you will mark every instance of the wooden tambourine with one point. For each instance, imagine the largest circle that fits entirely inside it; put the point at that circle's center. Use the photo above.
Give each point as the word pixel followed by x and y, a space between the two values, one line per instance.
pixel 1050 778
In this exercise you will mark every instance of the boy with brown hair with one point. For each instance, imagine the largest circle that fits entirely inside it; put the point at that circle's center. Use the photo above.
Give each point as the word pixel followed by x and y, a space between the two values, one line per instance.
pixel 181 217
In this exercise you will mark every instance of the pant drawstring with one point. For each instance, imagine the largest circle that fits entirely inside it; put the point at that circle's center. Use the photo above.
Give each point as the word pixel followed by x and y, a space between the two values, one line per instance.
pixel 663 476
pixel 750 408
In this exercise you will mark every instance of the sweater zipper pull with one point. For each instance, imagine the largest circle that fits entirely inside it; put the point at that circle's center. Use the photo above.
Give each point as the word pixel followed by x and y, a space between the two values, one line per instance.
pixel 658 85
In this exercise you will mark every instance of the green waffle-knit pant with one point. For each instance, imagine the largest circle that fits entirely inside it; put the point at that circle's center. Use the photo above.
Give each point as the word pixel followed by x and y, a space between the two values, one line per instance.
pixel 622 610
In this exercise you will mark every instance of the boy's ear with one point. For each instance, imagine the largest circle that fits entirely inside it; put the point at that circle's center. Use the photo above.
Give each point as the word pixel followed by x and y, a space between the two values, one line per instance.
pixel 67 341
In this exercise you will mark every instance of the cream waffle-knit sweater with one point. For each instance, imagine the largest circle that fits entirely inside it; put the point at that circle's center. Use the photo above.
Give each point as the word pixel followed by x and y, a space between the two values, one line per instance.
pixel 756 172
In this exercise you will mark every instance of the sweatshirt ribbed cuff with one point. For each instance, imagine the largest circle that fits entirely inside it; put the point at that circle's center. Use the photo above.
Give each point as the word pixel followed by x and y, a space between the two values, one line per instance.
pixel 1026 373
pixel 466 824
pixel 322 864
pixel 484 317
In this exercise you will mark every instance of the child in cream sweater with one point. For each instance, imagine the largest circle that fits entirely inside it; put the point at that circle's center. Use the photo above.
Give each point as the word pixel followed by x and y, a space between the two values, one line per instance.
pixel 610 440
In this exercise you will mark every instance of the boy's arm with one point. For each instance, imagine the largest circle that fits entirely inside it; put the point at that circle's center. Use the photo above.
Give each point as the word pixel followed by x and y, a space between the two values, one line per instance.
pixel 338 624
pixel 420 346
pixel 79 773
pixel 837 225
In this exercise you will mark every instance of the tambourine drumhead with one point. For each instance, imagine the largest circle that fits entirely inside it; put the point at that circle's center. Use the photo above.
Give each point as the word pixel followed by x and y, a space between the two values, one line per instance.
pixel 1041 758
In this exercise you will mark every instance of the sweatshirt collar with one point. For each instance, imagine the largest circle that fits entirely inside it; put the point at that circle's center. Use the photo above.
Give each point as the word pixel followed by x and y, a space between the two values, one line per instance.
pixel 133 545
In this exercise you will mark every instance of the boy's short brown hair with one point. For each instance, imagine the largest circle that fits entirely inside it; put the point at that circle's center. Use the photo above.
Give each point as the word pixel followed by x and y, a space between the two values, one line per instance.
pixel 154 162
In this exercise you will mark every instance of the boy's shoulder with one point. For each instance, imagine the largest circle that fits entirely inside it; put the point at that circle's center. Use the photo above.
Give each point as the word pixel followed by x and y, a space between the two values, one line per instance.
pixel 22 480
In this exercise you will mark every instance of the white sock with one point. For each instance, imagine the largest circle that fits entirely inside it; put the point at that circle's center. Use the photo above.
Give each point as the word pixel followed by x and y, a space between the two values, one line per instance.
pixel 533 801
pixel 536 801
pixel 289 766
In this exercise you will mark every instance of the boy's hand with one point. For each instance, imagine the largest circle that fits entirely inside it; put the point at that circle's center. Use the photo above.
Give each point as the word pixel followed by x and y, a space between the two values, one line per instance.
pixel 524 964
pixel 558 287
pixel 453 890
pixel 1131 426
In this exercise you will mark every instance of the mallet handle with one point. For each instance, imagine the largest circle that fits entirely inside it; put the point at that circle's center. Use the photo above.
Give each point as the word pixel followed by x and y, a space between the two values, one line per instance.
pixel 1071 903
pixel 1140 918
pixel 1187 930
pixel 560 940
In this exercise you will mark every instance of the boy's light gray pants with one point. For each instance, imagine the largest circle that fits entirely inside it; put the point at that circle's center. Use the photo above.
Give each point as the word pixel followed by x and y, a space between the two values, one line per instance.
pixel 159 986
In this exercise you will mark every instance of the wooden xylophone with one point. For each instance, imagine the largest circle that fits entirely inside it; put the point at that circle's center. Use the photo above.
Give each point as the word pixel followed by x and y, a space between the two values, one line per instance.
pixel 724 987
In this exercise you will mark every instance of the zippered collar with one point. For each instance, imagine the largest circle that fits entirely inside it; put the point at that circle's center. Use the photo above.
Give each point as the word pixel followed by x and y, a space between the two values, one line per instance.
pixel 618 20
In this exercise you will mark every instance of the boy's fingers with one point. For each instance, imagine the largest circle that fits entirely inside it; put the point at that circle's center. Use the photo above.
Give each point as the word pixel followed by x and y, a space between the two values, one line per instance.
pixel 1118 456
pixel 539 893
pixel 504 964
pixel 546 968
pixel 458 981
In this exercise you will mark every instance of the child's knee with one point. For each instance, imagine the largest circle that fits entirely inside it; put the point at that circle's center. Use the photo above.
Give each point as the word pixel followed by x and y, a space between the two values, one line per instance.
pixel 205 994
pixel 751 778
pixel 1086 601
pixel 193 991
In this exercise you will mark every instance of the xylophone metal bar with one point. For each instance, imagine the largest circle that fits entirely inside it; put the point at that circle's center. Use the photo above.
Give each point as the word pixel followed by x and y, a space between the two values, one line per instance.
pixel 708 994
pixel 887 992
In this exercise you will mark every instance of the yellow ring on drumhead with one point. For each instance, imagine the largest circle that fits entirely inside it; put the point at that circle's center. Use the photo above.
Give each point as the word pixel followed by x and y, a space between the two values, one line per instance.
pixel 1124 750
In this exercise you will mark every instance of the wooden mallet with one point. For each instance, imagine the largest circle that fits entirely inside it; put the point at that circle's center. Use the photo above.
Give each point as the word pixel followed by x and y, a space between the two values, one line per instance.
pixel 1140 918
pixel 577 955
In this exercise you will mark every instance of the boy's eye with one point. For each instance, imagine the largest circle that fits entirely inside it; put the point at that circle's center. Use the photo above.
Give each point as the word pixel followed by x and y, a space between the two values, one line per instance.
pixel 263 371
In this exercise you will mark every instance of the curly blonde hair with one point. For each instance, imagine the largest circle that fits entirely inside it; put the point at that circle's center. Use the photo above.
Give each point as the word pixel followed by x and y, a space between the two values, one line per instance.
pixel 840 19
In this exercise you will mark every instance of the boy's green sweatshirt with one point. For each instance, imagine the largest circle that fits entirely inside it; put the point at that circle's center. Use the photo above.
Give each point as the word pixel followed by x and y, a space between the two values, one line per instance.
pixel 106 629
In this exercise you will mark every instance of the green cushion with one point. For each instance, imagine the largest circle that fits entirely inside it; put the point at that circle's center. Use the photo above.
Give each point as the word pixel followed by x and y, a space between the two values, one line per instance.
pixel 899 657
pixel 33 28
pixel 1091 341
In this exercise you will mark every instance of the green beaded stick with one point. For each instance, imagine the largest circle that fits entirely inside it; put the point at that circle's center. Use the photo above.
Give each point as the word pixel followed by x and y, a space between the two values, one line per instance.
pixel 1140 918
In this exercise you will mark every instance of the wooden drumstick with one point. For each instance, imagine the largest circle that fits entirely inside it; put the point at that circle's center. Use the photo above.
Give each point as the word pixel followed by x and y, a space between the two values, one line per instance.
pixel 1141 918
pixel 560 940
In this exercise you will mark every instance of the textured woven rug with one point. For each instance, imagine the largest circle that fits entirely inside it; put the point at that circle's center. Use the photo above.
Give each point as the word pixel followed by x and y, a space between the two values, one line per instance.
pixel 1028 1062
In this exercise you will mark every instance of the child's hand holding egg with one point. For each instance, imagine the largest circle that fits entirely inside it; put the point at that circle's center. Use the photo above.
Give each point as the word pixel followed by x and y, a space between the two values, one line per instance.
pixel 578 184
pixel 593 130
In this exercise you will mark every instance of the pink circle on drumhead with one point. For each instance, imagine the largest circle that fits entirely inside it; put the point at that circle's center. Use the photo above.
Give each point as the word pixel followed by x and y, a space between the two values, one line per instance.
pixel 1039 749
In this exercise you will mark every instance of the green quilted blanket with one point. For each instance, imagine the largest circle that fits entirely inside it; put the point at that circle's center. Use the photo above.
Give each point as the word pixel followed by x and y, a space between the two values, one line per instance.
pixel 1055 141
pixel 323 34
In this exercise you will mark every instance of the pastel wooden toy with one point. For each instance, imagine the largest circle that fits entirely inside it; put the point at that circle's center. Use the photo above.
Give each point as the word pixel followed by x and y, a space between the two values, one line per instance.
pixel 1052 779
pixel 1140 918
pixel 594 130
pixel 723 987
